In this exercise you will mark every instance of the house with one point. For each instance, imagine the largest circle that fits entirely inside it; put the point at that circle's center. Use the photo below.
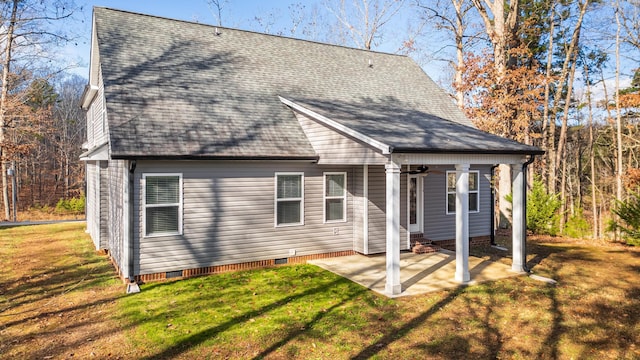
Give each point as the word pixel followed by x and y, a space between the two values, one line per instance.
pixel 211 148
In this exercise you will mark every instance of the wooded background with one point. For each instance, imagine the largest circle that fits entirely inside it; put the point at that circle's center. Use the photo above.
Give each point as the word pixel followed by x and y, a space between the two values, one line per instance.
pixel 558 74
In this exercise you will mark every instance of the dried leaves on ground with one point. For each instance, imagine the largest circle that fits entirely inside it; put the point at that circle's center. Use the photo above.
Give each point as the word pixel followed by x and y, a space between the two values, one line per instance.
pixel 60 299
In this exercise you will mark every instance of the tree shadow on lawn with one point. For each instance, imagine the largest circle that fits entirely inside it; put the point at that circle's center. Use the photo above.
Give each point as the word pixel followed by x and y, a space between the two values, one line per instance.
pixel 245 318
pixel 395 333
pixel 595 303
pixel 54 291
pixel 54 281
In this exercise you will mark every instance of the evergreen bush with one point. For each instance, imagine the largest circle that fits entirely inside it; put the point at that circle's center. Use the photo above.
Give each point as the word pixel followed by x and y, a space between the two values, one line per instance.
pixel 629 219
pixel 577 226
pixel 542 210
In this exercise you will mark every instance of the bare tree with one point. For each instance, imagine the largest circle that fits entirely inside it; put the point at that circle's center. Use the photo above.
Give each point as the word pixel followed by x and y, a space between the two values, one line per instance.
pixel 216 7
pixel 451 16
pixel 501 24
pixel 26 33
pixel 10 36
pixel 619 170
pixel 69 131
pixel 364 19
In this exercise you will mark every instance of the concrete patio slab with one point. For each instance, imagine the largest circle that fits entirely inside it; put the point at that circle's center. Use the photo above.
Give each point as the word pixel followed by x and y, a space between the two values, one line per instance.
pixel 419 273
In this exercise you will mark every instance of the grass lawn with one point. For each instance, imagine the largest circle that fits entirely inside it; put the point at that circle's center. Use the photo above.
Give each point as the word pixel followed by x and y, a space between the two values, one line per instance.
pixel 59 299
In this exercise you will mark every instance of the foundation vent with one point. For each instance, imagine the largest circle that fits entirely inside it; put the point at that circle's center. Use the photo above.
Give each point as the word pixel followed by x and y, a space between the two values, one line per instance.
pixel 174 274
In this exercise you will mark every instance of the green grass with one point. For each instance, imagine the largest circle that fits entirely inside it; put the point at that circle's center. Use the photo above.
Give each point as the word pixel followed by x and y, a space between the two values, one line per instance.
pixel 273 306
pixel 56 290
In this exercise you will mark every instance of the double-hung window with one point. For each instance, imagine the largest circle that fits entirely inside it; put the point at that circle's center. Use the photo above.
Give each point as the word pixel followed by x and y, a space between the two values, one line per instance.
pixel 474 192
pixel 162 202
pixel 335 196
pixel 289 199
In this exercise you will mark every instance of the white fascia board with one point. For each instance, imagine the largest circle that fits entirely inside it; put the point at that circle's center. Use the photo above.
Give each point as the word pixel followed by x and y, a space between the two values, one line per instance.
pixel 386 149
pixel 94 67
pixel 88 96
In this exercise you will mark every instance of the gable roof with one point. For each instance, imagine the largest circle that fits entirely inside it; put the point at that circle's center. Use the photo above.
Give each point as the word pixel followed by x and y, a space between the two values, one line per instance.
pixel 181 89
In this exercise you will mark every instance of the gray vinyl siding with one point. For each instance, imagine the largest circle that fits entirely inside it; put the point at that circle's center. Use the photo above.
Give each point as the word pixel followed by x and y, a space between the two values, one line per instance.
pixel 377 210
pixel 228 216
pixel 335 148
pixel 359 202
pixel 438 225
pixel 96 118
pixel 99 116
pixel 115 214
pixel 104 204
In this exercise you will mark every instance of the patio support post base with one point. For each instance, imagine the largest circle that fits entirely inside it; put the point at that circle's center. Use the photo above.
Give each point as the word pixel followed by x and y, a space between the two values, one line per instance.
pixel 392 285
pixel 462 223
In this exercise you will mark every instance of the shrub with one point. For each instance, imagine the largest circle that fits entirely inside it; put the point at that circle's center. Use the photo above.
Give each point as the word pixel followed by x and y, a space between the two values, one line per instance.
pixel 577 226
pixel 629 219
pixel 73 205
pixel 542 210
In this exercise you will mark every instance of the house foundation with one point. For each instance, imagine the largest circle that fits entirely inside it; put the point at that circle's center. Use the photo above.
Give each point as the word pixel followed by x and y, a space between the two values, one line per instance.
pixel 217 269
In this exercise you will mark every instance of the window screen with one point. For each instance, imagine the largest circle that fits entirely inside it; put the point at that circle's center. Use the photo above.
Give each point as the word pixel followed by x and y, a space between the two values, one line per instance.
pixel 162 205
pixel 289 196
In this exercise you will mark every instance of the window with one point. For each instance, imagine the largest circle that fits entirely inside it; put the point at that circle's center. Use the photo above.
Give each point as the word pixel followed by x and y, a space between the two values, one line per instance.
pixel 162 204
pixel 474 198
pixel 289 199
pixel 335 197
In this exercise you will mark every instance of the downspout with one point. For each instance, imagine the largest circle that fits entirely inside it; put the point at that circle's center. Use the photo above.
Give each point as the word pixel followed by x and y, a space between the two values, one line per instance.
pixel 132 286
pixel 524 212
pixel 493 206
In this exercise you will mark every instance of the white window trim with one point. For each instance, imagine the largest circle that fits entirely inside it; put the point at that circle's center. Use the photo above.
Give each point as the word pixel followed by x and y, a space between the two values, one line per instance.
pixel 144 205
pixel 446 187
pixel 276 200
pixel 325 197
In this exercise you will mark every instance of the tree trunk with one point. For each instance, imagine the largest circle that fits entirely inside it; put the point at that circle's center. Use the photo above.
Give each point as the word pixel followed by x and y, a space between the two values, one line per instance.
pixel 501 29
pixel 568 72
pixel 459 34
pixel 563 192
pixel 3 105
pixel 592 158
pixel 548 125
pixel 504 189
pixel 619 170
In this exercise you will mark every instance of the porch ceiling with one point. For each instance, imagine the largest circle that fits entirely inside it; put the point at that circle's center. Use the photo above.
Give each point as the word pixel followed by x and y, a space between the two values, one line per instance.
pixel 419 273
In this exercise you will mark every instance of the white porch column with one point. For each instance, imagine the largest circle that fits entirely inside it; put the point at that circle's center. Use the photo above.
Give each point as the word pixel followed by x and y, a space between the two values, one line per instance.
pixel 462 223
pixel 519 222
pixel 393 285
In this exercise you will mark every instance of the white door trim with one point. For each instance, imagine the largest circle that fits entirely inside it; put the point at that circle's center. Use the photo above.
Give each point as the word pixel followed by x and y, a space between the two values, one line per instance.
pixel 418 227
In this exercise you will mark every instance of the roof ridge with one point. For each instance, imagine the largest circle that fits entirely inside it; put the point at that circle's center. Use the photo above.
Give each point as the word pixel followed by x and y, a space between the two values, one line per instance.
pixel 252 32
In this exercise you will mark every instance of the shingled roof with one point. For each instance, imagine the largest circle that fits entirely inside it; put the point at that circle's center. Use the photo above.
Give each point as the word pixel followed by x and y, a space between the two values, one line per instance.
pixel 182 89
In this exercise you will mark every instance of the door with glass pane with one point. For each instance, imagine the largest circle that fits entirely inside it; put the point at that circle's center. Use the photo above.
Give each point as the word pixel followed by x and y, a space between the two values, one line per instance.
pixel 415 202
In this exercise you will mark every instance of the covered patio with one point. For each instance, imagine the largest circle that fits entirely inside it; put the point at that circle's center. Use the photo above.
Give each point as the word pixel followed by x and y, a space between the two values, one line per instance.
pixel 419 273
